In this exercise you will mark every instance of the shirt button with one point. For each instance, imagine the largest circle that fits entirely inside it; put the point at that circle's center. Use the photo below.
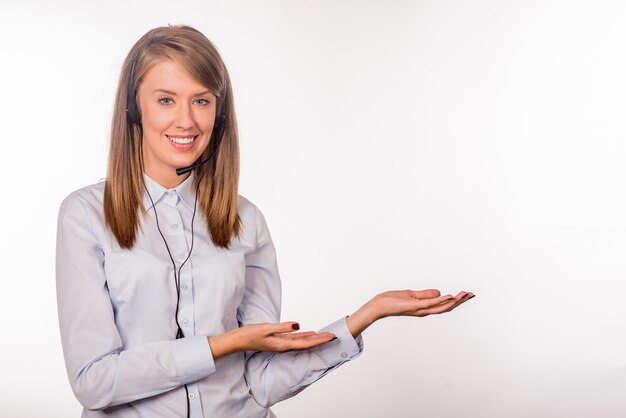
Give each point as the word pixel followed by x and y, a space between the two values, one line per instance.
pixel 192 396
pixel 184 286
pixel 344 355
pixel 174 226
pixel 186 323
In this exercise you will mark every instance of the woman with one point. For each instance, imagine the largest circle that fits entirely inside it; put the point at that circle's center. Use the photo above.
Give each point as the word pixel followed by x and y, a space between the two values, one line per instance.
pixel 167 284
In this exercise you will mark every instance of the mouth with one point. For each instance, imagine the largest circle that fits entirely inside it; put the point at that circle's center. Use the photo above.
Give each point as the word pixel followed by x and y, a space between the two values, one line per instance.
pixel 182 139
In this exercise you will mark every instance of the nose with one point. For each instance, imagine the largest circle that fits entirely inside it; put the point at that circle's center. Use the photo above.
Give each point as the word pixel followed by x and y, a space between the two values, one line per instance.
pixel 184 116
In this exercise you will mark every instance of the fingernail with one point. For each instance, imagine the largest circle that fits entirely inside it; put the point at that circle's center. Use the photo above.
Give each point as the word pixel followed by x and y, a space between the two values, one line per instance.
pixel 333 339
pixel 295 327
pixel 471 297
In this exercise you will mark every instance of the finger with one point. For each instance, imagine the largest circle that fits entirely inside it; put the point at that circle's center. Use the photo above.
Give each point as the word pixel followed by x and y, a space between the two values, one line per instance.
pixel 446 306
pixel 296 335
pixel 460 296
pixel 435 310
pixel 410 306
pixel 428 303
pixel 290 326
pixel 459 299
pixel 426 294
pixel 304 343
pixel 312 341
pixel 443 307
pixel 467 297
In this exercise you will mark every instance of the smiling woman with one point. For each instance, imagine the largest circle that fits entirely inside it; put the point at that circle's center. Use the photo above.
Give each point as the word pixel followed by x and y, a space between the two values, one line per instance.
pixel 175 61
pixel 164 313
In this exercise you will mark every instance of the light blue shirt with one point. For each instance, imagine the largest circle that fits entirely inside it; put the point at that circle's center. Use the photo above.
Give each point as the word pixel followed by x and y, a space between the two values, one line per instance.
pixel 116 313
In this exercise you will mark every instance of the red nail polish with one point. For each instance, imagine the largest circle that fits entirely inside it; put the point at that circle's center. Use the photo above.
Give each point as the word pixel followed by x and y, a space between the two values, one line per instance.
pixel 295 327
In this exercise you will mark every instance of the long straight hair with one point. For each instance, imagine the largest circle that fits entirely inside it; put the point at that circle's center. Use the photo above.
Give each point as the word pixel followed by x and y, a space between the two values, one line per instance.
pixel 124 188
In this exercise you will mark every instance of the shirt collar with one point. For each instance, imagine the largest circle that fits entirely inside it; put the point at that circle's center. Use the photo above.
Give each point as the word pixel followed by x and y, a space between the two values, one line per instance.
pixel 184 190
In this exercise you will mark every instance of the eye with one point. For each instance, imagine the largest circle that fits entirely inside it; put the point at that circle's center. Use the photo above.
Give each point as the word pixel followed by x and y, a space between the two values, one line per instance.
pixel 166 100
pixel 203 102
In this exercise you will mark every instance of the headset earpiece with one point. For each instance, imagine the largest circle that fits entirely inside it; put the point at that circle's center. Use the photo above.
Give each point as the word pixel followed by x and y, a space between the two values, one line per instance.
pixel 132 111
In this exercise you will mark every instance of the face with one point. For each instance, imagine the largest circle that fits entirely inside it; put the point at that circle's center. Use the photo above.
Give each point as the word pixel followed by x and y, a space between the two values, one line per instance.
pixel 177 114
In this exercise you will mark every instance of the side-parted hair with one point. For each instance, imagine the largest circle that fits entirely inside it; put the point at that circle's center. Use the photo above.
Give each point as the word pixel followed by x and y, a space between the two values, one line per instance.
pixel 124 187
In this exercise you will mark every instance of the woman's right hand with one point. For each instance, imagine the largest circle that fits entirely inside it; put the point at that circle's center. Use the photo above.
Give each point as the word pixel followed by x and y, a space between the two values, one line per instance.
pixel 266 337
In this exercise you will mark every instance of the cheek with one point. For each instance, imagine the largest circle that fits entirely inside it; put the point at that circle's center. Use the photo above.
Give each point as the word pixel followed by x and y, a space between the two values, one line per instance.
pixel 204 121
pixel 156 119
pixel 160 123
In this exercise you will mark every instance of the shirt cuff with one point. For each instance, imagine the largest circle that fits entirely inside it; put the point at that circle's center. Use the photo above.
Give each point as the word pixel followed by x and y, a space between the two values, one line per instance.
pixel 193 358
pixel 344 348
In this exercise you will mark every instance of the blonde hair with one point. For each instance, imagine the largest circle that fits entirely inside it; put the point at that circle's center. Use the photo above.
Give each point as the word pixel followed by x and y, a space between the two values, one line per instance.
pixel 218 192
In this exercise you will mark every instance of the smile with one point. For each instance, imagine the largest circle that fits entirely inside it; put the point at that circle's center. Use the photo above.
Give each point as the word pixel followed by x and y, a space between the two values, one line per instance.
pixel 181 139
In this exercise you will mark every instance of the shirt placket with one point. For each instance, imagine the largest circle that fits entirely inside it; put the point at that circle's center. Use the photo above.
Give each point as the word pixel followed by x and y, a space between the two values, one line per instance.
pixel 180 250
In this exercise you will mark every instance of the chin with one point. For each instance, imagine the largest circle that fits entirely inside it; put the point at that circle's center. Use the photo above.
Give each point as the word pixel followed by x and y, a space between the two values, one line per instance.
pixel 181 164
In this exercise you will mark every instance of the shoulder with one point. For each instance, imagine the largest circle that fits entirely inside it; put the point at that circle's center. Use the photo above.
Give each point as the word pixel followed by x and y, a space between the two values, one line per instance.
pixel 248 213
pixel 89 198
pixel 246 208
pixel 253 221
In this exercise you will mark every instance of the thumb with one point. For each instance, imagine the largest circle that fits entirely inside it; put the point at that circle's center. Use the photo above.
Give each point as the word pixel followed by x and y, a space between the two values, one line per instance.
pixel 289 326
pixel 426 294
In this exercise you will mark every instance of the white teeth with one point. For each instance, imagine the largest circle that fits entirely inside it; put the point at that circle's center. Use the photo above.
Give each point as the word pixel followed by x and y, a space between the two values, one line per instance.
pixel 187 140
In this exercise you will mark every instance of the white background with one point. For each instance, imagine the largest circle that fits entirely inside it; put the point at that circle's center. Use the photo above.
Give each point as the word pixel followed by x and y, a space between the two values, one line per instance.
pixel 461 145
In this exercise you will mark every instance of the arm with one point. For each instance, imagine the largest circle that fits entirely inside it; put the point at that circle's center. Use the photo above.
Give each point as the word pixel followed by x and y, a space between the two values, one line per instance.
pixel 274 372
pixel 275 376
pixel 102 372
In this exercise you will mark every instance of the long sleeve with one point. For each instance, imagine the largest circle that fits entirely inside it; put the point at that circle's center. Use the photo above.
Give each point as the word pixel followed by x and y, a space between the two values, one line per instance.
pixel 102 372
pixel 273 377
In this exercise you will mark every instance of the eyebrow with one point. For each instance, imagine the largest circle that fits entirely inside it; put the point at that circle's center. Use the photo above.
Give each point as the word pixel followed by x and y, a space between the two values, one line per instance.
pixel 174 94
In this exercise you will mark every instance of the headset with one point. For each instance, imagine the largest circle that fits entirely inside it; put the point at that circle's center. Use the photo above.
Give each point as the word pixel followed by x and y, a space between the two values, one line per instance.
pixel 219 128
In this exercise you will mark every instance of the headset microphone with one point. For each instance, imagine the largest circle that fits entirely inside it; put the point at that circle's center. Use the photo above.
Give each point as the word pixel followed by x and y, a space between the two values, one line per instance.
pixel 218 133
pixel 184 170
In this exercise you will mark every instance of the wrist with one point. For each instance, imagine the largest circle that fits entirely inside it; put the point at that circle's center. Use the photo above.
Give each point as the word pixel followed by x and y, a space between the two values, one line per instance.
pixel 224 344
pixel 361 319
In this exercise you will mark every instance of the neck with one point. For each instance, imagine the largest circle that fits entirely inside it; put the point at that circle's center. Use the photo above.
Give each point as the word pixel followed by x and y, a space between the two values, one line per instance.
pixel 167 181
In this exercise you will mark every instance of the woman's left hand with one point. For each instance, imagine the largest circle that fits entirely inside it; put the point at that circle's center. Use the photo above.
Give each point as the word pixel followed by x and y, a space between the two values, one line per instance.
pixel 416 302
pixel 404 303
